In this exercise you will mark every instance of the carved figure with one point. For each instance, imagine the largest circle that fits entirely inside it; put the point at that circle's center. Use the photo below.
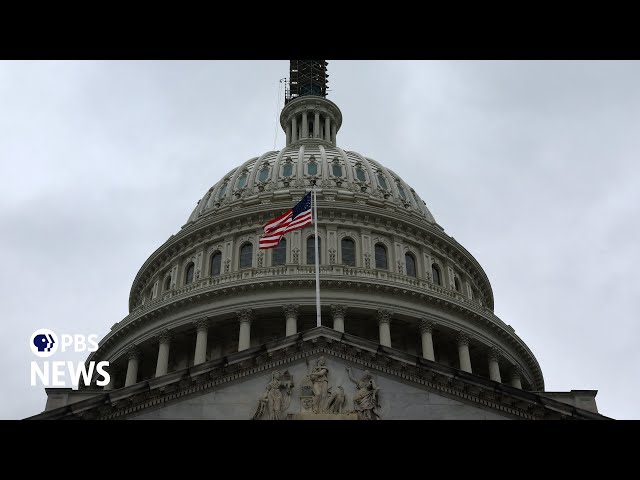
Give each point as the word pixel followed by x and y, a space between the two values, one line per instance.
pixel 276 398
pixel 318 377
pixel 365 401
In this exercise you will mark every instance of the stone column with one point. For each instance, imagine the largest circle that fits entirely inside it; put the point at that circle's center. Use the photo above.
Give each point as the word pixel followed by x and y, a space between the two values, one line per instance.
pixel 333 133
pixel 384 319
pixel 244 338
pixel 294 129
pixel 426 329
pixel 515 377
pixel 316 125
pixel 338 312
pixel 305 126
pixel 291 315
pixel 202 327
pixel 288 132
pixel 132 368
pixel 112 379
pixel 494 366
pixel 164 342
pixel 463 352
pixel 327 128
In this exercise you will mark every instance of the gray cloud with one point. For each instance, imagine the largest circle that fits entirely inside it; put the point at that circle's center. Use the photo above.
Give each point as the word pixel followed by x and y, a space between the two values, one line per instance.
pixel 532 166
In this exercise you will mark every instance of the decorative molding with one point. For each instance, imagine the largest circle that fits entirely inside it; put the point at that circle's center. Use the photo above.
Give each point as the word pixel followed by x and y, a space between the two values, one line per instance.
pixel 245 315
pixel 291 310
pixel 494 354
pixel 164 336
pixel 384 316
pixel 134 352
pixel 338 310
pixel 202 324
pixel 426 326
pixel 462 339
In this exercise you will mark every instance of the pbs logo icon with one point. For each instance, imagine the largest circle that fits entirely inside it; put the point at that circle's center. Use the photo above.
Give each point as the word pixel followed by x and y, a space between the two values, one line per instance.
pixel 43 342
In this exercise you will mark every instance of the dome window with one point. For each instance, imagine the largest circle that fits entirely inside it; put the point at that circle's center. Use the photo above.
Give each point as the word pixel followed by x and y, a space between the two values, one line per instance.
pixel 435 271
pixel 348 247
pixel 336 169
pixel 381 257
pixel 410 263
pixel 242 180
pixel 167 283
pixel 360 175
pixel 264 174
pixel 287 170
pixel 382 182
pixel 456 283
pixel 312 168
pixel 216 263
pixel 402 193
pixel 246 255
pixel 222 191
pixel 188 277
pixel 280 253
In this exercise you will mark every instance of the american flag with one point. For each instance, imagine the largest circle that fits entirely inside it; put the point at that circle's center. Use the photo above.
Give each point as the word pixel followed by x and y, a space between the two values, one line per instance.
pixel 298 217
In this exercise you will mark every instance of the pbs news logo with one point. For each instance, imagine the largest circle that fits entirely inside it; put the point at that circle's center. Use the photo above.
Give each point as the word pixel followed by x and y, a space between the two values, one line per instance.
pixel 44 343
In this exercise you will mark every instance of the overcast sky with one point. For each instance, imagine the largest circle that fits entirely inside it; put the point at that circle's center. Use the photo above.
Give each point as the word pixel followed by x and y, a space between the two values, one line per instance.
pixel 532 166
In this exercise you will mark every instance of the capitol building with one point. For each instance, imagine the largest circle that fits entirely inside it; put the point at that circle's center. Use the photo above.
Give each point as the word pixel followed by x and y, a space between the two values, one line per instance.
pixel 221 329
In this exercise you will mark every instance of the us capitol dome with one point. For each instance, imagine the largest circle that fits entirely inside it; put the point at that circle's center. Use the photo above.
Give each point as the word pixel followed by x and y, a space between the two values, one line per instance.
pixel 221 329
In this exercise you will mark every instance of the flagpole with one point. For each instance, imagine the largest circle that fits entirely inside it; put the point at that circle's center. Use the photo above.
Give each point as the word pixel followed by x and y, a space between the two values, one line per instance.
pixel 315 226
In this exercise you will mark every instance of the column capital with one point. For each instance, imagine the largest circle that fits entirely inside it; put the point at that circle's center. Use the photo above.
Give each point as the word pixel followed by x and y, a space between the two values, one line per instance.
pixel 426 326
pixel 133 352
pixel 462 339
pixel 202 324
pixel 339 310
pixel 494 353
pixel 245 315
pixel 164 336
pixel 291 310
pixel 384 316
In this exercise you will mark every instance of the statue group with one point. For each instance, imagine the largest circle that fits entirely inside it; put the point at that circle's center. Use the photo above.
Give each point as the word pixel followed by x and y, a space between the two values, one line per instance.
pixel 317 396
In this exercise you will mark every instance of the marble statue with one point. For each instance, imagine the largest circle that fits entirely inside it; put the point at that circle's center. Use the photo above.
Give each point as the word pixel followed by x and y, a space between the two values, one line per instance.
pixel 318 378
pixel 276 398
pixel 365 401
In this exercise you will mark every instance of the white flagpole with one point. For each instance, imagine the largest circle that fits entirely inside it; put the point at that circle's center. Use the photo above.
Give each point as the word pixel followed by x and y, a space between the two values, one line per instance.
pixel 315 226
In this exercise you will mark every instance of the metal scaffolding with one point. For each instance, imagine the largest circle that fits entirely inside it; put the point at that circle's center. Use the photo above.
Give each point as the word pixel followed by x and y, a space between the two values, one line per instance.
pixel 306 77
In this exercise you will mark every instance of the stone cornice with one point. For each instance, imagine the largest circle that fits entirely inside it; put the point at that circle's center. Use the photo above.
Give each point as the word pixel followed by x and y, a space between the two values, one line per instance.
pixel 209 376
pixel 281 277
pixel 254 216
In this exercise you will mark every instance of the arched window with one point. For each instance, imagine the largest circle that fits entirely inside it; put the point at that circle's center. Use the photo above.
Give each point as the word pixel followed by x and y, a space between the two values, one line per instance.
pixel 382 182
pixel 216 264
pixel 337 169
pixel 280 253
pixel 311 251
pixel 312 167
pixel 264 174
pixel 348 252
pixel 456 282
pixel 222 191
pixel 167 283
pixel 242 180
pixel 287 170
pixel 381 257
pixel 402 193
pixel 360 175
pixel 188 276
pixel 246 255
pixel 410 263
pixel 435 271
